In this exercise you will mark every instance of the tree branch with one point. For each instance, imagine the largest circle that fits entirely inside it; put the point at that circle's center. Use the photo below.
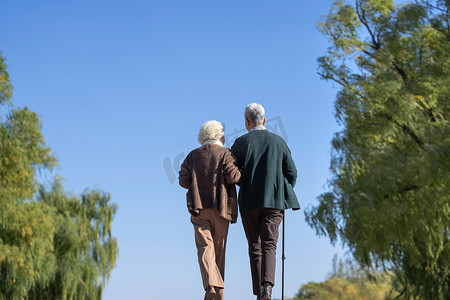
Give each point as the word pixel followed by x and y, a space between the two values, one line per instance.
pixel 362 17
pixel 447 14
pixel 344 83
pixel 445 11
pixel 401 72
pixel 405 129
pixel 429 5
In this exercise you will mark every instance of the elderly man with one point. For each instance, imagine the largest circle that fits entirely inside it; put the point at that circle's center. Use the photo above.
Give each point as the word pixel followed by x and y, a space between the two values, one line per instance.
pixel 266 190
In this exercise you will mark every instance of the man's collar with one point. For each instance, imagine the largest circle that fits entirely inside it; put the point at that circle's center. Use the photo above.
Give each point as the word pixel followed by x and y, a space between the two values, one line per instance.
pixel 259 127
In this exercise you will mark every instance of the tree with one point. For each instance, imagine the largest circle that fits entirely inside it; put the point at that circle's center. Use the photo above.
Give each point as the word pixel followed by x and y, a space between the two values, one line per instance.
pixel 25 226
pixel 51 243
pixel 389 198
pixel 83 244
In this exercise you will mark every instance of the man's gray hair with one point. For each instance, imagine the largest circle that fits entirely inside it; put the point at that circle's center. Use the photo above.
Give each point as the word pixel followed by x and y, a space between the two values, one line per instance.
pixel 254 112
pixel 211 131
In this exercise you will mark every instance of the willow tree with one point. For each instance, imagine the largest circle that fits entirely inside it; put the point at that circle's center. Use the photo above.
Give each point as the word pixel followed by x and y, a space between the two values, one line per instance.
pixel 26 227
pixel 52 245
pixel 389 198
pixel 83 244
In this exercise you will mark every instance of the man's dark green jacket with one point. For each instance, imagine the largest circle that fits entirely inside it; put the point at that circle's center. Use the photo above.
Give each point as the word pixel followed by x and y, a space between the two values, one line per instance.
pixel 268 171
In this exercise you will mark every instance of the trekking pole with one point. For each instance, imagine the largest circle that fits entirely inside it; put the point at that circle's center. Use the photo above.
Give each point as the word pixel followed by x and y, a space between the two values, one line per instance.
pixel 282 262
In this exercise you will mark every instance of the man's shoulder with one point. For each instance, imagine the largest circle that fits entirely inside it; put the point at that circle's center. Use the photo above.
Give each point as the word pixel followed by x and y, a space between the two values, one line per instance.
pixel 259 135
pixel 242 140
pixel 273 135
pixel 277 138
pixel 268 136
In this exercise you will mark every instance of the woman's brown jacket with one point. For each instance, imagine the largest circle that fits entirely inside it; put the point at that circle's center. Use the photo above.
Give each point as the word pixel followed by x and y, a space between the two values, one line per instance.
pixel 209 173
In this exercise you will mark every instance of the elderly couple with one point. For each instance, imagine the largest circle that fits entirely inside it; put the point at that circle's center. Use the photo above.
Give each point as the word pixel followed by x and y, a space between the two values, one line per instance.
pixel 261 164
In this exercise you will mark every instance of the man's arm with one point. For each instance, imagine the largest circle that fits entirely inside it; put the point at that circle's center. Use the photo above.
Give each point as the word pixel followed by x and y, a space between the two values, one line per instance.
pixel 235 153
pixel 289 169
pixel 235 150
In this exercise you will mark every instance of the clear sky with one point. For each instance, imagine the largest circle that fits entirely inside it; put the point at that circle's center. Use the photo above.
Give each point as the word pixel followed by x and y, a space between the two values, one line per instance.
pixel 122 88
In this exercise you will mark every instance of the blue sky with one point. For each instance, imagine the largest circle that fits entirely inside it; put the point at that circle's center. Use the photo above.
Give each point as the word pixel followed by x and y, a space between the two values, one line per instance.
pixel 122 86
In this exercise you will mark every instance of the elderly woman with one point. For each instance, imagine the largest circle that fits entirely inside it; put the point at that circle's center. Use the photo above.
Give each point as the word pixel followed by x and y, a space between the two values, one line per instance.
pixel 209 173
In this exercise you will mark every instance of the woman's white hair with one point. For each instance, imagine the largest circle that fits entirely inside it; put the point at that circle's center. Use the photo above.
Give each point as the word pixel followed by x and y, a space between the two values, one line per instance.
pixel 210 131
pixel 254 112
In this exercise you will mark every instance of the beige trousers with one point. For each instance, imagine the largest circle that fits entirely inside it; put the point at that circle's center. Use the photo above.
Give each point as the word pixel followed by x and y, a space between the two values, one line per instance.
pixel 211 232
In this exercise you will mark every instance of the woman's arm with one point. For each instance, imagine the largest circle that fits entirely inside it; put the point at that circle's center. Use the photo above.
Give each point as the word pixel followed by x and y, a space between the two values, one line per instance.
pixel 230 169
pixel 185 175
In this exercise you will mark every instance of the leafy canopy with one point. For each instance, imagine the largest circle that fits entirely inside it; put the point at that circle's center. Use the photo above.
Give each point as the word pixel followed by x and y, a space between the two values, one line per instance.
pixel 389 198
pixel 52 245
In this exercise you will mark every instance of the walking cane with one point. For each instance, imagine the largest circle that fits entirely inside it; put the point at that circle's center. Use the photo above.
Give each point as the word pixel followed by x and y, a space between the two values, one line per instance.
pixel 282 262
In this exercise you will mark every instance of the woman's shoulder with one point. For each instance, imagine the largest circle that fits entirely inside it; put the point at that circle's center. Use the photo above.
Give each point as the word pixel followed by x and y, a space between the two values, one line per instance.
pixel 219 149
pixel 209 149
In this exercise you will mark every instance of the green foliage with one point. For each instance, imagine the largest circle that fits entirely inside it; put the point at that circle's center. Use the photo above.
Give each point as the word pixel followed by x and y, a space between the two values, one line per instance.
pixel 349 282
pixel 342 289
pixel 5 84
pixel 389 198
pixel 83 244
pixel 26 227
pixel 52 245
pixel 22 151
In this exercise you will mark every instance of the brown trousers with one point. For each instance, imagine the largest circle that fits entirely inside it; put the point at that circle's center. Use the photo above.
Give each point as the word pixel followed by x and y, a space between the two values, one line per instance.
pixel 261 229
pixel 211 232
